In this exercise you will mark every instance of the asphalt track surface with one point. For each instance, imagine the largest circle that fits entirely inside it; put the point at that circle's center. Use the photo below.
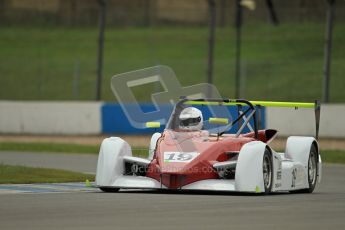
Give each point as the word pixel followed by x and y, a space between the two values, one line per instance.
pixel 324 209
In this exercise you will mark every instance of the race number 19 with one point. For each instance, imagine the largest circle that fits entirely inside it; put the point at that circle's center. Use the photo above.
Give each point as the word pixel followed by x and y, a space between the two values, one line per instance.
pixel 179 156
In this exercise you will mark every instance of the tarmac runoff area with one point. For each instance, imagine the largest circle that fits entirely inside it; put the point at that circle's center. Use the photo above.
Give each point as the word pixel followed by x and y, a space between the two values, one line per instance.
pixel 75 206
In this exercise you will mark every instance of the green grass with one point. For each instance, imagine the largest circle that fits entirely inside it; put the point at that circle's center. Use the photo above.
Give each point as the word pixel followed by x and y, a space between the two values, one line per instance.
pixel 22 174
pixel 279 63
pixel 328 156
pixel 333 156
pixel 60 148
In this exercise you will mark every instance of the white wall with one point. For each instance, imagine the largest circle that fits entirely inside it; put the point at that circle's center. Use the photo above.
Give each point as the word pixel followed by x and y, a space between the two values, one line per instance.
pixel 50 117
pixel 289 121
pixel 85 118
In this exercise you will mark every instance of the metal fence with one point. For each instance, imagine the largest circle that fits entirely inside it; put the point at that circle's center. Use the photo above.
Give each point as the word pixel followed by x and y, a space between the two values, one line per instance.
pixel 48 49
pixel 154 12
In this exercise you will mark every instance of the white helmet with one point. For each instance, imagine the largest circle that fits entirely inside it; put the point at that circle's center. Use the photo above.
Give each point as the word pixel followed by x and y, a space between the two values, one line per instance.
pixel 190 119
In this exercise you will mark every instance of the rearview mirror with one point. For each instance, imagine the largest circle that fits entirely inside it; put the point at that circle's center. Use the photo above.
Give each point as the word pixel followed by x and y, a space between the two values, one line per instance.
pixel 218 121
pixel 153 124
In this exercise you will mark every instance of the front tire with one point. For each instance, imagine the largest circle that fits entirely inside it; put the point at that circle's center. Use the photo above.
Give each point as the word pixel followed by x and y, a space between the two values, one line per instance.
pixel 267 170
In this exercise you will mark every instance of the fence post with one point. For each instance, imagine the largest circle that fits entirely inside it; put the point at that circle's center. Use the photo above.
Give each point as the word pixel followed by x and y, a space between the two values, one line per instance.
pixel 328 50
pixel 238 25
pixel 212 29
pixel 102 14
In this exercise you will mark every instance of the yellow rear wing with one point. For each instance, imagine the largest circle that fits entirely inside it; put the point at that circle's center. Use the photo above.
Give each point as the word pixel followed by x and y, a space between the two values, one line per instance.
pixel 258 104
pixel 255 103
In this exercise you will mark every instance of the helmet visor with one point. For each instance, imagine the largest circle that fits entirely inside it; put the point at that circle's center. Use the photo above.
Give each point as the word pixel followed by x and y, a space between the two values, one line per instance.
pixel 190 121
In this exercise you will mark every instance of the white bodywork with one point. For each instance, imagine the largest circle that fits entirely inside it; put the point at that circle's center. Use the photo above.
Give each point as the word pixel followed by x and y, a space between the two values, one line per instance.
pixel 110 167
pixel 153 144
pixel 249 177
pixel 290 169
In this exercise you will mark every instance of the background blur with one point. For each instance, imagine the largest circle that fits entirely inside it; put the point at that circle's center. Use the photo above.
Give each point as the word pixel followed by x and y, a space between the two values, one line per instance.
pixel 48 48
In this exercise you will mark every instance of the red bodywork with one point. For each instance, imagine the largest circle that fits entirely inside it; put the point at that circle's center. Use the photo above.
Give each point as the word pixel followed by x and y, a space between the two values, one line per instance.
pixel 212 149
pixel 177 174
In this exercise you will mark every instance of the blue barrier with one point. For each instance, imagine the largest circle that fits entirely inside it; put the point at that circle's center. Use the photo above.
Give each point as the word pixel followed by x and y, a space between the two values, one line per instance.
pixel 114 120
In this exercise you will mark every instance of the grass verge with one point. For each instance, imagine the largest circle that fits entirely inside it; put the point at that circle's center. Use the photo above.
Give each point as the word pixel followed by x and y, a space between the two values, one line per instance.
pixel 60 148
pixel 26 175
pixel 333 156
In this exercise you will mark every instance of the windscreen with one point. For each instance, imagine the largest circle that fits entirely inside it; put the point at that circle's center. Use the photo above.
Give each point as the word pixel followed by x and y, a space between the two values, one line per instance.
pixel 163 101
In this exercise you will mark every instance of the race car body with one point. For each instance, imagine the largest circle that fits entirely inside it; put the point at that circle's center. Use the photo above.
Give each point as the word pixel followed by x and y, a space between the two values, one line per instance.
pixel 183 157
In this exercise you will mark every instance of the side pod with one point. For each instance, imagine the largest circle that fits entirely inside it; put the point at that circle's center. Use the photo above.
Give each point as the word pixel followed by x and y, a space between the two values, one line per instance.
pixel 110 160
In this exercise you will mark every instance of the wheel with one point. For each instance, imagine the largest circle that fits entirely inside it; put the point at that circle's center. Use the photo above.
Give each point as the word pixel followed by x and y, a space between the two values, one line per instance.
pixel 109 189
pixel 267 170
pixel 312 171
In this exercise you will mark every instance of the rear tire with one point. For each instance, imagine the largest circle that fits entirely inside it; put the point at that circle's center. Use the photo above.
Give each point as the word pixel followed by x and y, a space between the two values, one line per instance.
pixel 312 170
pixel 109 189
pixel 267 170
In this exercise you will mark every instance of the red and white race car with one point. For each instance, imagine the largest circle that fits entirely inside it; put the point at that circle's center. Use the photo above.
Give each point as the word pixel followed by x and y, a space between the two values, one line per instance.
pixel 197 152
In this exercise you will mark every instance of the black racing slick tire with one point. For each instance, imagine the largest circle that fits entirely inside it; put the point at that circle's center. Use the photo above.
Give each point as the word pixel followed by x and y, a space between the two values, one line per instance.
pixel 267 170
pixel 312 170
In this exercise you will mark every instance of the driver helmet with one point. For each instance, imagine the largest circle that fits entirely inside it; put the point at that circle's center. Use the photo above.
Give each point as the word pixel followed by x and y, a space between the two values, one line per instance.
pixel 190 119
